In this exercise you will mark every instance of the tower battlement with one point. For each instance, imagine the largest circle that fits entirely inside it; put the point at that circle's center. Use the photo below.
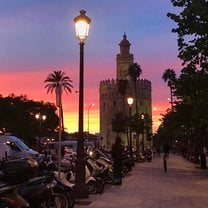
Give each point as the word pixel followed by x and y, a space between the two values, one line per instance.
pixel 108 83
pixel 144 83
pixel 111 83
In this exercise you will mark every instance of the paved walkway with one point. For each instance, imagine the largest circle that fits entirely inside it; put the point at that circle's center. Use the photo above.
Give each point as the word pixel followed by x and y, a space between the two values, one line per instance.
pixel 147 186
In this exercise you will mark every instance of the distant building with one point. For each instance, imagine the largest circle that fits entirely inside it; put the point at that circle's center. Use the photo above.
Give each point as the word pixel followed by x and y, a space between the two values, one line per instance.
pixel 112 102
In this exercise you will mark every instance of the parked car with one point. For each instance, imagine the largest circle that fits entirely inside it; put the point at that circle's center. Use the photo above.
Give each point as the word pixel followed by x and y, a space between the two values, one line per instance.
pixel 11 147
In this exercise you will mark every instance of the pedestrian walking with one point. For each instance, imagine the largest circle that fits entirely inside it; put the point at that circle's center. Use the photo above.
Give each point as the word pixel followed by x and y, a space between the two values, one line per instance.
pixel 166 150
pixel 117 150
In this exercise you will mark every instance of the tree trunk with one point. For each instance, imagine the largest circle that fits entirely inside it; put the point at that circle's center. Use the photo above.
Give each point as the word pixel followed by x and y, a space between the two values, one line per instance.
pixel 135 89
pixel 62 117
pixel 171 97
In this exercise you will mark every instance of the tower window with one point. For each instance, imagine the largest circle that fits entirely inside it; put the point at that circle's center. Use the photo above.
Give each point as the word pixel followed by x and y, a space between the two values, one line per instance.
pixel 140 103
pixel 114 103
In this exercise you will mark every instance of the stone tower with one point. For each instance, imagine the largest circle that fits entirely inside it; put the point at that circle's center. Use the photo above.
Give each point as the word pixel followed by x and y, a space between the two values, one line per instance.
pixel 112 102
pixel 124 59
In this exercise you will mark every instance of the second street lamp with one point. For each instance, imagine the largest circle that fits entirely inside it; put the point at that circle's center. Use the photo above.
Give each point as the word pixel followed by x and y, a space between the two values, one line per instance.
pixel 40 118
pixel 82 23
pixel 143 127
pixel 88 115
pixel 130 101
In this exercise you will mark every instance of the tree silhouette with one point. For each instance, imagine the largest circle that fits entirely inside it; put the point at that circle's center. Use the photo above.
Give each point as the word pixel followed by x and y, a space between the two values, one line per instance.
pixel 58 81
pixel 17 116
pixel 122 88
pixel 135 72
pixel 192 24
pixel 169 76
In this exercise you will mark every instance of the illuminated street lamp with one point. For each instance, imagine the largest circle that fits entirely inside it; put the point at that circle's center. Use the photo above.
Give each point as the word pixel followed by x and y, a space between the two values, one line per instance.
pixel 88 115
pixel 130 101
pixel 143 126
pixel 82 23
pixel 40 118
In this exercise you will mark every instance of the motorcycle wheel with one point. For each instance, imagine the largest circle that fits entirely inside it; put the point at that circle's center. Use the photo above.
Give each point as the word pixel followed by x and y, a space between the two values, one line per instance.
pixel 92 187
pixel 63 200
pixel 100 185
pixel 59 199
pixel 125 169
pixel 108 177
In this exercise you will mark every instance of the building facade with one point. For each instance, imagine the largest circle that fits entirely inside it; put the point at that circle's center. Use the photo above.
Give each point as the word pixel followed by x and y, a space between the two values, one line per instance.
pixel 112 101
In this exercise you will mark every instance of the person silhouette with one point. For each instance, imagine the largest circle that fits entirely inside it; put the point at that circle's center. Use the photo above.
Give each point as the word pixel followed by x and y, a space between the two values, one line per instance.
pixel 117 150
pixel 166 150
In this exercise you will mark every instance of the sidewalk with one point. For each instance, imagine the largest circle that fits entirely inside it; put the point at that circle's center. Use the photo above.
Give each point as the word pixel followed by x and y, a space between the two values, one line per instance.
pixel 147 186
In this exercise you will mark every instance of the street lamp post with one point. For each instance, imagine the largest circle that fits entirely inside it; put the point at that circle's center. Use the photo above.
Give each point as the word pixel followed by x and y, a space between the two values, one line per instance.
pixel 143 119
pixel 88 115
pixel 130 101
pixel 82 23
pixel 40 118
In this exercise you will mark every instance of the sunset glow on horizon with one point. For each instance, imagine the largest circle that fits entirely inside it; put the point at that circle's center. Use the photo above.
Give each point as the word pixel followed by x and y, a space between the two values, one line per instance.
pixel 38 37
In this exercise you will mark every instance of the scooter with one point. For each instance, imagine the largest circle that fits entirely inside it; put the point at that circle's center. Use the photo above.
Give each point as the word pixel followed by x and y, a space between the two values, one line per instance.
pixel 149 155
pixel 97 172
pixel 105 160
pixel 9 198
pixel 39 192
pixel 106 169
pixel 69 175
pixel 141 157
pixel 62 193
pixel 13 174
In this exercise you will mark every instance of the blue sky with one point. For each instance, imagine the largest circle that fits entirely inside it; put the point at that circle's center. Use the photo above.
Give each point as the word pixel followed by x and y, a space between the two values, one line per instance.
pixel 37 37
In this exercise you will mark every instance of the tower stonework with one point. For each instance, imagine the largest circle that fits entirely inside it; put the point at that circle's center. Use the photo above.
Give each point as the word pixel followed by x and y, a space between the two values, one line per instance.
pixel 124 59
pixel 112 102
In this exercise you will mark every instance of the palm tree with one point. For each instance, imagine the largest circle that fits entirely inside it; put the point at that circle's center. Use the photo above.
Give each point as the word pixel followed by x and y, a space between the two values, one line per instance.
pixel 122 87
pixel 169 76
pixel 135 72
pixel 58 81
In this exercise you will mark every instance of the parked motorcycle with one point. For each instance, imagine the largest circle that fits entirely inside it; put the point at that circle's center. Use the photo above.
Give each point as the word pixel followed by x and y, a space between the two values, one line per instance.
pixel 106 168
pixel 9 198
pixel 68 168
pixel 13 174
pixel 141 157
pixel 62 194
pixel 127 163
pixel 41 191
pixel 149 155
pixel 99 173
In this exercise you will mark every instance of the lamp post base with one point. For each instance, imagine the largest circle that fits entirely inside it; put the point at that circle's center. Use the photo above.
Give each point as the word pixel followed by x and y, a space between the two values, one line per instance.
pixel 80 189
pixel 80 192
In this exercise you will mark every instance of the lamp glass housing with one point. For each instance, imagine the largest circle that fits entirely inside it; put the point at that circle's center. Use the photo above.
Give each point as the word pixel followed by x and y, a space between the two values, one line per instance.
pixel 44 117
pixel 130 100
pixel 82 24
pixel 37 116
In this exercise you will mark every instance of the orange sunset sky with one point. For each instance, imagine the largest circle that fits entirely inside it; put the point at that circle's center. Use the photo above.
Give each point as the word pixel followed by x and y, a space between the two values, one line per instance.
pixel 38 37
